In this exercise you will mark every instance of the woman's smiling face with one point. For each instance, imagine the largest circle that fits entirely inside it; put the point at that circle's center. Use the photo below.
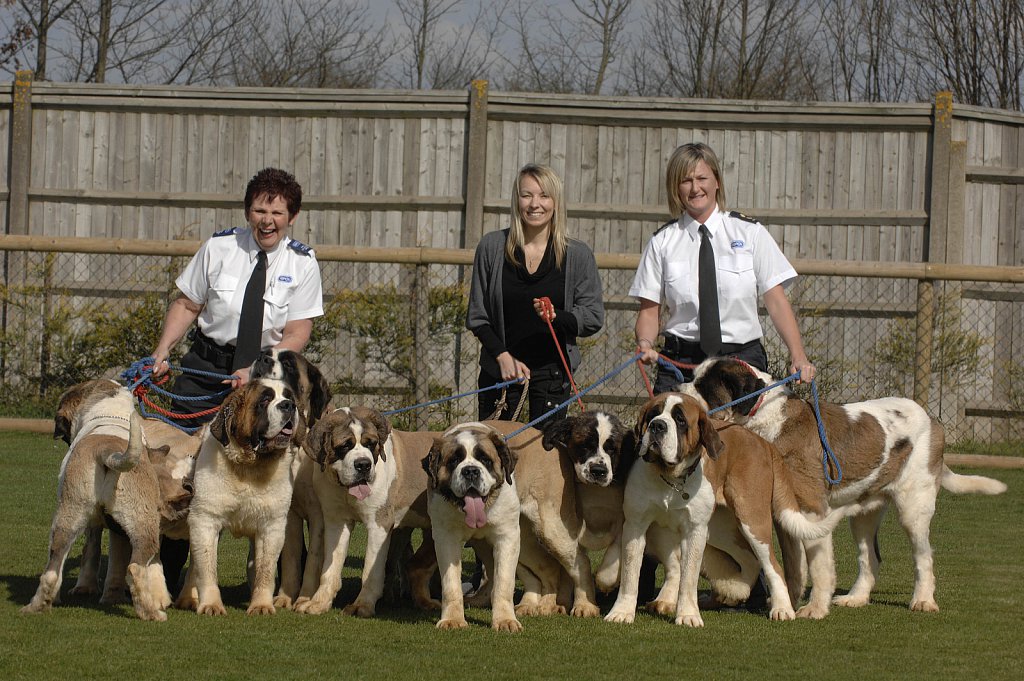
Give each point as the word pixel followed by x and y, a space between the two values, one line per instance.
pixel 699 192
pixel 269 220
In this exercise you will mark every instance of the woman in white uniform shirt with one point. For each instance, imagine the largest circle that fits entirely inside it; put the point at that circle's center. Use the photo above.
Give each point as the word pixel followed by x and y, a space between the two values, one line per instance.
pixel 212 289
pixel 748 264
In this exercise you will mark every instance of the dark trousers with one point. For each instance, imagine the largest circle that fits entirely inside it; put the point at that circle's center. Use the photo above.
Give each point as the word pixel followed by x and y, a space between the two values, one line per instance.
pixel 687 352
pixel 549 387
pixel 203 355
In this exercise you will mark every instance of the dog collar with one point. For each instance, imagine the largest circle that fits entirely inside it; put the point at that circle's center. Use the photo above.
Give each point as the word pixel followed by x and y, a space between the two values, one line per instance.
pixel 682 480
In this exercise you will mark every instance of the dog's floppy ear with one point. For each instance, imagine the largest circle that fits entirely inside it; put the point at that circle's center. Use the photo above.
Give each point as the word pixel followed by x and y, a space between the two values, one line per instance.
pixel 315 445
pixel 221 422
pixel 432 463
pixel 505 454
pixel 319 393
pixel 557 432
pixel 713 444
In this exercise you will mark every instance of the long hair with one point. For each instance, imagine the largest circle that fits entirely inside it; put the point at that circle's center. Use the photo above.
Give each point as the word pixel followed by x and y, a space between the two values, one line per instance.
pixel 551 185
pixel 680 164
pixel 272 183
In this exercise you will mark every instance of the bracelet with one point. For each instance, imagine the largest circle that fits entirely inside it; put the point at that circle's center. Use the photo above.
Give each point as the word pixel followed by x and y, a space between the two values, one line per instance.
pixel 642 340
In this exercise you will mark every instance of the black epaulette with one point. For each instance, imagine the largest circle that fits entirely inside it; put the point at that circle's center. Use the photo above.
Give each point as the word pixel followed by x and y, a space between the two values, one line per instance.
pixel 741 216
pixel 227 232
pixel 670 222
pixel 299 247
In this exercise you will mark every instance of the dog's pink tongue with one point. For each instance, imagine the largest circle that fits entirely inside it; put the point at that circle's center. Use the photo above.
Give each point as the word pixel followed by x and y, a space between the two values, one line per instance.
pixel 476 516
pixel 360 491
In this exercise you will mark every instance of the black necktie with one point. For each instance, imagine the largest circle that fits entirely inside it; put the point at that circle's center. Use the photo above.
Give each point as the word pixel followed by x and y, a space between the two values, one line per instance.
pixel 250 321
pixel 707 297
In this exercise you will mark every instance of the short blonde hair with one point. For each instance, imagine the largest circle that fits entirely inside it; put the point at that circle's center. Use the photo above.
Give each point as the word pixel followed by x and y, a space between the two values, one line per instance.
pixel 681 164
pixel 551 185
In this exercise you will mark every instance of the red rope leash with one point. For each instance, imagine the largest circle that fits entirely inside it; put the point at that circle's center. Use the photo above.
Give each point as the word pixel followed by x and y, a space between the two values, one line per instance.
pixel 548 314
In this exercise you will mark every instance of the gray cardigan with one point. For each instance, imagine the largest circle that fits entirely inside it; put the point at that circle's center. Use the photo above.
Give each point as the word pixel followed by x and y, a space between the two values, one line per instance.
pixel 582 293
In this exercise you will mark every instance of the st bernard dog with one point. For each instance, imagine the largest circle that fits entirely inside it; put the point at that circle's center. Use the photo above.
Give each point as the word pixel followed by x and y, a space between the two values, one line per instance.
pixel 243 482
pixel 692 476
pixel 363 471
pixel 312 397
pixel 602 451
pixel 109 474
pixel 472 496
pixel 889 450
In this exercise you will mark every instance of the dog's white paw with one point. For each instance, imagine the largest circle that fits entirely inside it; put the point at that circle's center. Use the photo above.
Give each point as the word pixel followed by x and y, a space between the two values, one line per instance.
pixel 585 610
pixel 510 625
pixel 812 611
pixel 924 606
pixel 452 624
pixel 359 610
pixel 782 614
pixel 851 601
pixel 620 616
pixel 211 609
pixel 313 607
pixel 693 621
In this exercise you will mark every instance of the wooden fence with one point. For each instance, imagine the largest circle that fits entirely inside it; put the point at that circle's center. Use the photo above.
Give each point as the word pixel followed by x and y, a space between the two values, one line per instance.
pixel 908 185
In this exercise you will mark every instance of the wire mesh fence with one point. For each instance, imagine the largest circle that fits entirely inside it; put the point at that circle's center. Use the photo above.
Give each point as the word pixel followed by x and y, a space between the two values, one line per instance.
pixel 393 335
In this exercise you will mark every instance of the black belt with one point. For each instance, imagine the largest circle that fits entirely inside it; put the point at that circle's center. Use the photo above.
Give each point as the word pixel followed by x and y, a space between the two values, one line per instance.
pixel 210 351
pixel 681 346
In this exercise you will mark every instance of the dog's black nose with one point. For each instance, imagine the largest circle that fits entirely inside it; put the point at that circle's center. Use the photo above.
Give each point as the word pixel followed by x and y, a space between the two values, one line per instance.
pixel 286 406
pixel 599 471
pixel 362 466
pixel 657 427
pixel 471 474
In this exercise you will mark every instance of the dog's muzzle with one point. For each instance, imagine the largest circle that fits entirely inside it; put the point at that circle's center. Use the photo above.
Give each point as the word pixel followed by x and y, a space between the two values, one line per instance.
pixel 598 472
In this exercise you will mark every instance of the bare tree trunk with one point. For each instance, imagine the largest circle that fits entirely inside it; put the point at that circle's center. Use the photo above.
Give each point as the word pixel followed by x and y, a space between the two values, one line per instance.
pixel 103 41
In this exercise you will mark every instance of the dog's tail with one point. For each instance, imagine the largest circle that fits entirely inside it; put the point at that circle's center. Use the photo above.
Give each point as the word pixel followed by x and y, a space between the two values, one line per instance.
pixel 130 457
pixel 970 484
pixel 786 509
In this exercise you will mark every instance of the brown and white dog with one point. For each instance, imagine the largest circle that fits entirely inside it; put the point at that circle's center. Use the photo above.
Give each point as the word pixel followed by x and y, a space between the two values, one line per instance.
pixel 363 471
pixel 602 451
pixel 243 482
pixel 109 473
pixel 312 396
pixel 472 496
pixel 889 450
pixel 692 476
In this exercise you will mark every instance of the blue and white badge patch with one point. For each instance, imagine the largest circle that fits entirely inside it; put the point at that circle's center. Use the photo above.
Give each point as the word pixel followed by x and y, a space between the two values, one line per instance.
pixel 738 243
pixel 285 278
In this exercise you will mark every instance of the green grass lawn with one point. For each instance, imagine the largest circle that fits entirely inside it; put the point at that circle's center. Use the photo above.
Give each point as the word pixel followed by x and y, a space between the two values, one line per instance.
pixel 979 564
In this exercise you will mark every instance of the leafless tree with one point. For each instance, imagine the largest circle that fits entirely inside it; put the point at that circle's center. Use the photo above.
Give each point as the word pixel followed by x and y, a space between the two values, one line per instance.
pixel 41 16
pixel 742 49
pixel 864 49
pixel 309 43
pixel 15 32
pixel 974 48
pixel 562 50
pixel 440 53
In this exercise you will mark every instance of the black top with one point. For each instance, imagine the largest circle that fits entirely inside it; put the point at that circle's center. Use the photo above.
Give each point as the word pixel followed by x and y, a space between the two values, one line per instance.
pixel 527 335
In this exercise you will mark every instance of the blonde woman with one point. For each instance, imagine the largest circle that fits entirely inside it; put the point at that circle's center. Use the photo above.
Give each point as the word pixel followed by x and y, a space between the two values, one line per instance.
pixel 512 270
pixel 747 264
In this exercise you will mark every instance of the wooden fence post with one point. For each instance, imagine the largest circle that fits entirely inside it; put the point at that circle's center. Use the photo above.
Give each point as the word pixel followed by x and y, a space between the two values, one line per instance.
pixel 19 169
pixel 421 343
pixel 934 241
pixel 476 165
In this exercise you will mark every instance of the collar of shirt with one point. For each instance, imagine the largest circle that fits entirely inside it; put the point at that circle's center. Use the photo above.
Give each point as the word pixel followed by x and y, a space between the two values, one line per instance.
pixel 691 226
pixel 253 248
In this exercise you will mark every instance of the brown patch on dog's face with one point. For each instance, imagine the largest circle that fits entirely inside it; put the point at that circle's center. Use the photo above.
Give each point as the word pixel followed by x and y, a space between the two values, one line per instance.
pixel 469 459
pixel 673 428
pixel 256 421
pixel 593 441
pixel 73 400
pixel 725 380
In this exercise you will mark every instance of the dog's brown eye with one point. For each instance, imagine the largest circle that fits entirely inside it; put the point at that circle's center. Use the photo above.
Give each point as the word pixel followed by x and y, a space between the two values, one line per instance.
pixel 370 444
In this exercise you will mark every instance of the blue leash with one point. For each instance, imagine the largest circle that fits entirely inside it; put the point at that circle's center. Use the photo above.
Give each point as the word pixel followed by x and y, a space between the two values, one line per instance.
pixel 827 455
pixel 392 412
pixel 610 375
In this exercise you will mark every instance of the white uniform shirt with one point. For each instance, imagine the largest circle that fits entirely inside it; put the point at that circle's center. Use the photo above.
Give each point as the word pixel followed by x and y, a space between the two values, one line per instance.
pixel 218 273
pixel 749 264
